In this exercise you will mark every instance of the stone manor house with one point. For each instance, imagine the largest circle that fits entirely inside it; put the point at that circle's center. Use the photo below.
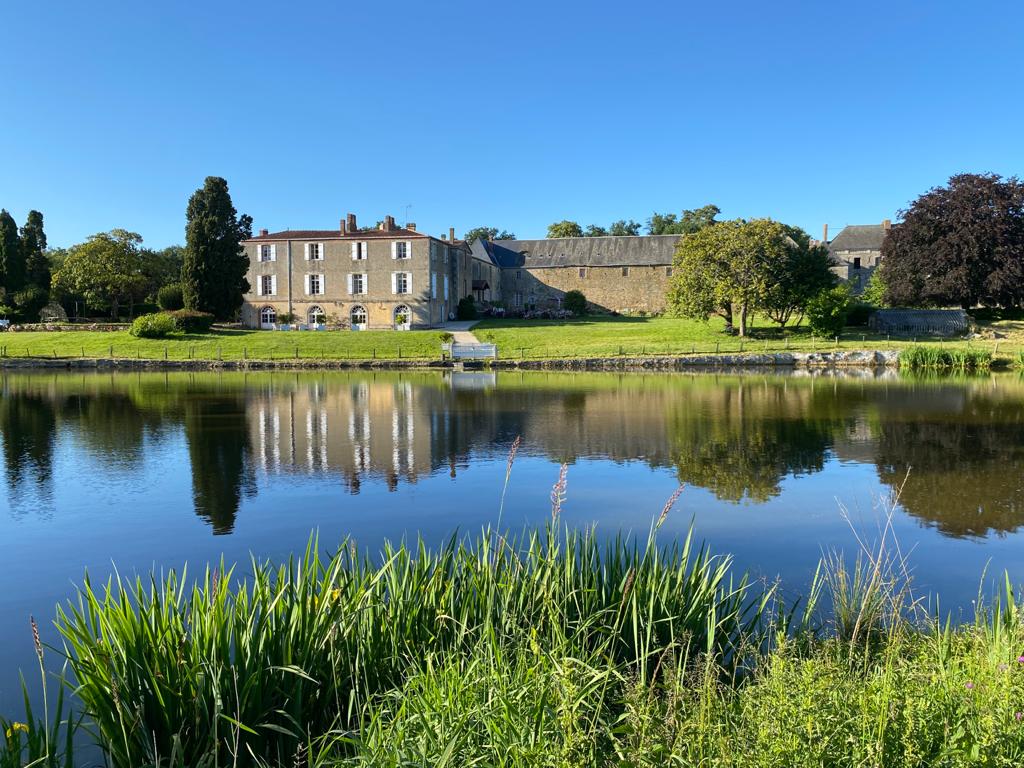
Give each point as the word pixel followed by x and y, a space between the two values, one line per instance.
pixel 388 276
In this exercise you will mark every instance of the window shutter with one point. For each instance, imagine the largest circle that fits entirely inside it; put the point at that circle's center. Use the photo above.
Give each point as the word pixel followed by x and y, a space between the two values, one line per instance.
pixel 394 277
pixel 355 255
pixel 446 287
pixel 307 284
pixel 273 252
pixel 259 285
pixel 349 283
pixel 394 250
pixel 408 282
pixel 366 283
pixel 323 283
pixel 408 249
pixel 273 284
pixel 305 250
pixel 323 252
pixel 433 285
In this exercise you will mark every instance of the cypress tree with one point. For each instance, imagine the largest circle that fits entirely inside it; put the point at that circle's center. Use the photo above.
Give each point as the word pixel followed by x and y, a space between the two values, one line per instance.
pixel 33 249
pixel 214 267
pixel 12 261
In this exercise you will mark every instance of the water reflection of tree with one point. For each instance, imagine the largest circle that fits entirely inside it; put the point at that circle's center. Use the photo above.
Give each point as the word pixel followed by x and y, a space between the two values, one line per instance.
pixel 960 472
pixel 220 453
pixel 740 439
pixel 28 425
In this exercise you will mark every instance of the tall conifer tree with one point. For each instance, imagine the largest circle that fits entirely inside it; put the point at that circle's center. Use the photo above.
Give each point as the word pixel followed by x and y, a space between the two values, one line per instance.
pixel 12 261
pixel 33 249
pixel 213 272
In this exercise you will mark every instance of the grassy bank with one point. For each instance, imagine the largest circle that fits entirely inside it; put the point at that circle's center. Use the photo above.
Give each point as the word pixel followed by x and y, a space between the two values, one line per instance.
pixel 635 336
pixel 551 649
pixel 228 345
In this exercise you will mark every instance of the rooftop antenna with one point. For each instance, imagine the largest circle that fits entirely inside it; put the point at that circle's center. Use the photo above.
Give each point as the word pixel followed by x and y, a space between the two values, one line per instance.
pixel 407 212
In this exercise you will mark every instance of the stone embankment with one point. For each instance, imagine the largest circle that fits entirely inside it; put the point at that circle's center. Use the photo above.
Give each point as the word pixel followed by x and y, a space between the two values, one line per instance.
pixel 838 359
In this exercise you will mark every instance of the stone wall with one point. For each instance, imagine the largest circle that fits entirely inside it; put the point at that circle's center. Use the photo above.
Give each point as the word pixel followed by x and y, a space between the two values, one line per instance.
pixel 629 290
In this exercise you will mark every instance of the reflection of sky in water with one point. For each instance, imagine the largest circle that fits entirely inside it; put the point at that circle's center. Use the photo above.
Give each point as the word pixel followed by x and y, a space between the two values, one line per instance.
pixel 141 471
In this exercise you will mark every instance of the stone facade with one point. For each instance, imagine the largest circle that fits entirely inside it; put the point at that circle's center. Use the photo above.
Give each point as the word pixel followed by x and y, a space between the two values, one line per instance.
pixel 353 278
pixel 856 252
pixel 624 289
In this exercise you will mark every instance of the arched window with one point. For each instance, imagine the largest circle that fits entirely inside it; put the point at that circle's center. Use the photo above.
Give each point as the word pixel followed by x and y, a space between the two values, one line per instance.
pixel 358 317
pixel 403 317
pixel 268 317
pixel 316 316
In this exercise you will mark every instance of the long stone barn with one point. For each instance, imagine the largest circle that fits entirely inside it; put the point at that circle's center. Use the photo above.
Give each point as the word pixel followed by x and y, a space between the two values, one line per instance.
pixel 626 274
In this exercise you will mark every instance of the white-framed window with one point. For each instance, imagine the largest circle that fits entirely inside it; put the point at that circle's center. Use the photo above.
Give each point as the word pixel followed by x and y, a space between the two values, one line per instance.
pixel 401 249
pixel 359 251
pixel 268 252
pixel 314 285
pixel 401 282
pixel 316 315
pixel 314 251
pixel 357 283
pixel 402 317
pixel 268 316
pixel 358 317
pixel 267 285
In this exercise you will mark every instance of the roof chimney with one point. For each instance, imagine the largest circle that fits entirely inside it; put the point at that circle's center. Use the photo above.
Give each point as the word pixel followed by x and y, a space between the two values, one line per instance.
pixel 451 234
pixel 341 226
pixel 824 234
pixel 389 223
pixel 350 223
pixel 264 233
pixel 410 225
pixel 886 225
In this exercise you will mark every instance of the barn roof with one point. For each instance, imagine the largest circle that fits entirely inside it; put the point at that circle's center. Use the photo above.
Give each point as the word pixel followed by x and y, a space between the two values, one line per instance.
pixel 859 237
pixel 610 251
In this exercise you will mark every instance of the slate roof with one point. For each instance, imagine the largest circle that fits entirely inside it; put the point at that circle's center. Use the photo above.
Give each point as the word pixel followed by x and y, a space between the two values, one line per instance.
pixel 610 251
pixel 858 237
pixel 335 234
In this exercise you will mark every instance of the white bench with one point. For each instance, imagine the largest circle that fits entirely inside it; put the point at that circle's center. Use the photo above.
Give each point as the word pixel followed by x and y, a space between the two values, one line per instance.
pixel 471 351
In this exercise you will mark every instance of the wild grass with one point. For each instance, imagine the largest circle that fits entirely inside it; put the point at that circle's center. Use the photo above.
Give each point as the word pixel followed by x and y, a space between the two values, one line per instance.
pixel 921 358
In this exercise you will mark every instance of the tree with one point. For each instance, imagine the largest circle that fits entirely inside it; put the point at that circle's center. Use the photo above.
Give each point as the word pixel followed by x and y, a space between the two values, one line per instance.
pixel 727 266
pixel 106 270
pixel 33 249
pixel 161 268
pixel 12 260
pixel 565 228
pixel 593 230
pixel 827 312
pixel 962 244
pixel 575 302
pixel 874 291
pixel 487 233
pixel 214 267
pixel 802 272
pixel 623 228
pixel 689 222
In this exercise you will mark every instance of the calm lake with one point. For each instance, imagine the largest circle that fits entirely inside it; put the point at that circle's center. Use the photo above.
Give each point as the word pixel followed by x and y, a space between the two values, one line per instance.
pixel 152 470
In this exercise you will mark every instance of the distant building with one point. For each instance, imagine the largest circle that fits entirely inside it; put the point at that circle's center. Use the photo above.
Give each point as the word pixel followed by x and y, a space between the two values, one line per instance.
pixel 626 274
pixel 857 252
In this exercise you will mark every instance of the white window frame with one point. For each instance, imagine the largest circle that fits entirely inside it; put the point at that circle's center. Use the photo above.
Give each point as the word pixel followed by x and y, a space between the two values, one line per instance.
pixel 309 285
pixel 362 278
pixel 351 316
pixel 261 286
pixel 267 252
pixel 406 277
pixel 321 313
pixel 359 250
pixel 273 316
pixel 405 249
pixel 314 251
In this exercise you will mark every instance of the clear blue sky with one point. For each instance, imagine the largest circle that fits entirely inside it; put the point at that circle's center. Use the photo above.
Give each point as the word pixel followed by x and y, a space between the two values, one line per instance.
pixel 504 114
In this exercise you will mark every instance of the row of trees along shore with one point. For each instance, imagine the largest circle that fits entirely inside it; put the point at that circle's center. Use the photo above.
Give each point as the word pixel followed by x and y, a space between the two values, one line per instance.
pixel 112 271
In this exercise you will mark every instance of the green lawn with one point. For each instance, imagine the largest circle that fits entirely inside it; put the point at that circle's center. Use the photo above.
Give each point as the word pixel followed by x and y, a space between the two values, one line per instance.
pixel 614 336
pixel 228 345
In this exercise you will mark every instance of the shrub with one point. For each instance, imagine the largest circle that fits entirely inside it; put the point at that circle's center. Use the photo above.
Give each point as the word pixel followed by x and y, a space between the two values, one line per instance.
pixel 860 313
pixel 29 303
pixel 190 321
pixel 466 310
pixel 874 291
pixel 170 298
pixel 827 312
pixel 154 326
pixel 575 302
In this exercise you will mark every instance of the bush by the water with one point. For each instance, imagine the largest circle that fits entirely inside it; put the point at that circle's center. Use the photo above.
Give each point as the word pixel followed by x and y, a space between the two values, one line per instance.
pixel 859 314
pixel 190 321
pixel 170 298
pixel 466 309
pixel 575 302
pixel 934 358
pixel 155 326
pixel 827 312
